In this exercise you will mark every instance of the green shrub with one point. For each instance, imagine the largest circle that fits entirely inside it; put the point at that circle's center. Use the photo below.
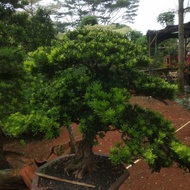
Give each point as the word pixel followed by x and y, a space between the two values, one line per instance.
pixel 34 125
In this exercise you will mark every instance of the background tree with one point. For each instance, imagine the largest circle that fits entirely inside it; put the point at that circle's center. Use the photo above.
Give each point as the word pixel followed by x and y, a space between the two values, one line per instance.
pixel 33 31
pixel 167 47
pixel 166 18
pixel 93 89
pixel 11 72
pixel 40 30
pixel 137 37
pixel 60 27
pixel 88 20
pixel 18 36
pixel 105 11
pixel 10 4
pixel 30 6
pixel 120 28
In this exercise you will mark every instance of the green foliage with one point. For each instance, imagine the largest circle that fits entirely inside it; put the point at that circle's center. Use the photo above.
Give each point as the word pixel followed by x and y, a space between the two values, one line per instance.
pixel 103 60
pixel 167 47
pixel 147 134
pixel 24 31
pixel 88 20
pixel 11 84
pixel 134 35
pixel 108 106
pixel 60 27
pixel 104 11
pixel 30 6
pixel 166 18
pixel 155 86
pixel 118 154
pixel 112 27
pixel 181 154
pixel 63 92
pixel 18 36
pixel 22 143
pixel 149 156
pixel 100 52
pixel 34 125
pixel 10 4
pixel 35 31
pixel 40 30
pixel 138 38
pixel 86 78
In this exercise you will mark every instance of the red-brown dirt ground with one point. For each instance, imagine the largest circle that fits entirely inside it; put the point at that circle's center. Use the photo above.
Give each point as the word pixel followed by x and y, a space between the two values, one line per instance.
pixel 173 178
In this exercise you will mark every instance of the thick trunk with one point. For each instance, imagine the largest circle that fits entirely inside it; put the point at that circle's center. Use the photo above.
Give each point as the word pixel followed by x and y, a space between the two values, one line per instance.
pixel 83 161
pixel 72 140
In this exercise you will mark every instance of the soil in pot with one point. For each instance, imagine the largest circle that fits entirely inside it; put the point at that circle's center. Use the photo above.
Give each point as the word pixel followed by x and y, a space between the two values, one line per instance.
pixel 103 178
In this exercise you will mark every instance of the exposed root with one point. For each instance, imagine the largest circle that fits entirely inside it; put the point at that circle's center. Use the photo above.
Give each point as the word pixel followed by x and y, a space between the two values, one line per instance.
pixel 80 166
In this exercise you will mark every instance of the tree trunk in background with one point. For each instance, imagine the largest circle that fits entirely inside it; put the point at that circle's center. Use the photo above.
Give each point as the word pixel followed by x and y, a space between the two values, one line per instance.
pixel 181 47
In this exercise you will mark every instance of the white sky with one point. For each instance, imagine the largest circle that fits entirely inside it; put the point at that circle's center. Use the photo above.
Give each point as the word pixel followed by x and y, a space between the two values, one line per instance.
pixel 148 12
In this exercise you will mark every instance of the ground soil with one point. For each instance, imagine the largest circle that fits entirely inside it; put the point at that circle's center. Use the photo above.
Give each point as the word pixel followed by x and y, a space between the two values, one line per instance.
pixel 21 154
pixel 104 167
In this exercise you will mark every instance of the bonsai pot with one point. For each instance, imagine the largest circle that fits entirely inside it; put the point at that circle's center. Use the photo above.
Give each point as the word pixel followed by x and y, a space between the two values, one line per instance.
pixel 106 177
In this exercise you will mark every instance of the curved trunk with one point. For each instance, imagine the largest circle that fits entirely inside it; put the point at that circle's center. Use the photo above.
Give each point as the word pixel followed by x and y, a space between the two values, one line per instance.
pixel 83 161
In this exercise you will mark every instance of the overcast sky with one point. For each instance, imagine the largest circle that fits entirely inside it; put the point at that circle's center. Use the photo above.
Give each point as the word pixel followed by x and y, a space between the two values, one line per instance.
pixel 148 12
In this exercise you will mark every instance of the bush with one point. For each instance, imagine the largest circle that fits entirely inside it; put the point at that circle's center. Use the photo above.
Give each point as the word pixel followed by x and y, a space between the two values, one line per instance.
pixel 34 125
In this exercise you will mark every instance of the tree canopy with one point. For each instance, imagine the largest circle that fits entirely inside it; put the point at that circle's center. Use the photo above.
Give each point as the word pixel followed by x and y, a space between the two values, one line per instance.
pixel 19 34
pixel 88 78
pixel 166 18
pixel 110 11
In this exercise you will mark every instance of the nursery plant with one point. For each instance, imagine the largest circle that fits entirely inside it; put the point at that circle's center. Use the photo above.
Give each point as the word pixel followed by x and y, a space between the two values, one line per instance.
pixel 88 77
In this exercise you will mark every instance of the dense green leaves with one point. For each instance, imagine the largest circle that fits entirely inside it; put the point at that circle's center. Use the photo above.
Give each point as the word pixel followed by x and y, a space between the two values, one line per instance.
pixel 21 30
pixel 106 57
pixel 86 77
pixel 92 73
pixel 153 86
pixel 35 123
pixel 147 134
pixel 166 18
pixel 88 20
pixel 101 52
pixel 19 34
pixel 11 75
pixel 35 31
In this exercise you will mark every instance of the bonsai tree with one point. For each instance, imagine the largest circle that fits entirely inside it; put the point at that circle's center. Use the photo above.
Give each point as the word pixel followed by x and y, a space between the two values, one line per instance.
pixel 88 77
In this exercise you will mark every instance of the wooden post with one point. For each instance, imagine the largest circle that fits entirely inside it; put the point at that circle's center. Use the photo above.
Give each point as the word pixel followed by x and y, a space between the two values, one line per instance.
pixel 181 47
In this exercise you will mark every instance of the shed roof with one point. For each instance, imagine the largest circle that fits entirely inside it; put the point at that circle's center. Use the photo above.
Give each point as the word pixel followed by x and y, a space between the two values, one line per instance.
pixel 157 36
